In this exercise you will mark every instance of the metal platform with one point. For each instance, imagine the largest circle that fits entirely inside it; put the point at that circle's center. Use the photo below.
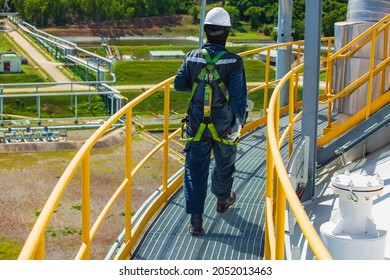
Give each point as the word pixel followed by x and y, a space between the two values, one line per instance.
pixel 234 235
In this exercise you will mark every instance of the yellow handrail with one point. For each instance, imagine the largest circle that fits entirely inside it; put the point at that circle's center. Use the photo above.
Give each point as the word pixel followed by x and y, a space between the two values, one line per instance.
pixel 368 37
pixel 278 185
pixel 35 244
pixel 282 184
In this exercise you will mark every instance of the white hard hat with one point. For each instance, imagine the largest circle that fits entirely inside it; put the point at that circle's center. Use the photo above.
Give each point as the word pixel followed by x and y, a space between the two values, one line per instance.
pixel 218 16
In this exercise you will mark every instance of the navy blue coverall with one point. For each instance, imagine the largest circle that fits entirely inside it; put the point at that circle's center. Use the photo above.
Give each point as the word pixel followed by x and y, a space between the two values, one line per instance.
pixel 224 113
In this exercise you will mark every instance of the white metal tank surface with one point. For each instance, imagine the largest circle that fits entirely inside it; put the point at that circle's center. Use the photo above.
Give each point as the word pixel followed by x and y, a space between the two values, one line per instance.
pixel 367 10
pixel 361 15
pixel 351 233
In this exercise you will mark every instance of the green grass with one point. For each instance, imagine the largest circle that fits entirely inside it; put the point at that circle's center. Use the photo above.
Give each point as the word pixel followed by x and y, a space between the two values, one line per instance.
pixel 141 52
pixel 9 250
pixel 153 72
pixel 57 106
pixel 28 75
pixel 245 34
pixel 145 72
pixel 5 45
pixel 155 103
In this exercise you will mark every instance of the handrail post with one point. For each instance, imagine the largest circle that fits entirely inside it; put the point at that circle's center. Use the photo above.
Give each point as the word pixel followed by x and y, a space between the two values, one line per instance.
pixel 166 135
pixel 265 100
pixel 385 45
pixel 128 187
pixel 40 252
pixel 297 76
pixel 371 79
pixel 86 205
pixel 291 116
pixel 280 221
pixel 268 194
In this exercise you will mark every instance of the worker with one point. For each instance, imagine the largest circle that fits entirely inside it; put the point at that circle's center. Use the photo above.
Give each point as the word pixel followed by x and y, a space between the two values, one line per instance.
pixel 214 119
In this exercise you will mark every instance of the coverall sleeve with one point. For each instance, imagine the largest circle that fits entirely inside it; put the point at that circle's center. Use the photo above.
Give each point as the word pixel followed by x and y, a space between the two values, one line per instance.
pixel 237 90
pixel 182 80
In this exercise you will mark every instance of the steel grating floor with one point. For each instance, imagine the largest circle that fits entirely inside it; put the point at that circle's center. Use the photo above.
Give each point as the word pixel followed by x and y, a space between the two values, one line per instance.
pixel 234 235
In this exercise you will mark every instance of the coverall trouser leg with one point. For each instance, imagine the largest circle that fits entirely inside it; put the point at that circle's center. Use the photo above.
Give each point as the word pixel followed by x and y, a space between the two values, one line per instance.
pixel 197 167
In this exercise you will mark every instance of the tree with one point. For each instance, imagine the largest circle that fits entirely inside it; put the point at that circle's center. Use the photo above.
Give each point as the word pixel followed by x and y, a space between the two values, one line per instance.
pixel 234 15
pixel 255 15
pixel 329 20
pixel 194 12
pixel 57 12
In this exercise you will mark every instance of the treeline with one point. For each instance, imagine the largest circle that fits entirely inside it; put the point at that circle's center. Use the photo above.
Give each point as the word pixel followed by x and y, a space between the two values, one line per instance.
pixel 61 12
pixel 261 14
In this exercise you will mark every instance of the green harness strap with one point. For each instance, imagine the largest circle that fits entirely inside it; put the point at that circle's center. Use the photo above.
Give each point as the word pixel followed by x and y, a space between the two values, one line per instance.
pixel 211 72
pixel 210 68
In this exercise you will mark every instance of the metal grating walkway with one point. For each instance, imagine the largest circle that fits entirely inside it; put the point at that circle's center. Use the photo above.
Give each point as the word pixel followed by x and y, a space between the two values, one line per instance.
pixel 234 235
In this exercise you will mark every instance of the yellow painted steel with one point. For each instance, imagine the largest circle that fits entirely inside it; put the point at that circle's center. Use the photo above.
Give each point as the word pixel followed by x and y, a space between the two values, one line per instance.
pixel 291 114
pixel 277 177
pixel 367 38
pixel 371 75
pixel 34 246
pixel 385 40
pixel 86 205
pixel 147 217
pixel 129 176
pixel 285 188
pixel 40 254
pixel 166 134
pixel 353 120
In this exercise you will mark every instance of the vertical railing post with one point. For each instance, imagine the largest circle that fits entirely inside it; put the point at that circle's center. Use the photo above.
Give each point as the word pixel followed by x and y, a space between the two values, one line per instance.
pixel 166 134
pixel 268 194
pixel 40 252
pixel 328 84
pixel 86 205
pixel 128 187
pixel 291 116
pixel 385 45
pixel 297 77
pixel 280 221
pixel 278 192
pixel 265 100
pixel 371 71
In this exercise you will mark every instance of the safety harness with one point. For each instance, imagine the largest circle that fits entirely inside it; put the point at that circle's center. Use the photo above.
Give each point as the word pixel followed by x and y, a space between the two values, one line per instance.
pixel 208 73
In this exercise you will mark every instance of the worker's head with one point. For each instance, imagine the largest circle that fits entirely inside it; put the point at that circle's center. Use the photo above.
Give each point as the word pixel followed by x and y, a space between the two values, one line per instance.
pixel 217 26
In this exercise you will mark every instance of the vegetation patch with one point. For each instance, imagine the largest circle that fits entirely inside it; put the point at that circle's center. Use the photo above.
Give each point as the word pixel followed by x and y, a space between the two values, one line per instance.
pixel 56 106
pixel 9 250
pixel 65 231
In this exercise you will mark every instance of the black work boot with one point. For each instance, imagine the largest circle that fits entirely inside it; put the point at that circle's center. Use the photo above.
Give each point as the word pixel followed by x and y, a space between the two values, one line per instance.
pixel 195 226
pixel 223 205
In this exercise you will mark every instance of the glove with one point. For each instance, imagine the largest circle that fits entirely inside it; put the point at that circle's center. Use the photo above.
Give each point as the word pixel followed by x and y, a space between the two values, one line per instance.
pixel 235 131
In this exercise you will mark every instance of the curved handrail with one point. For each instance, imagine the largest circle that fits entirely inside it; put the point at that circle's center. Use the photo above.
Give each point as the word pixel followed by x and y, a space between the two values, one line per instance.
pixel 279 187
pixel 34 246
pixel 285 189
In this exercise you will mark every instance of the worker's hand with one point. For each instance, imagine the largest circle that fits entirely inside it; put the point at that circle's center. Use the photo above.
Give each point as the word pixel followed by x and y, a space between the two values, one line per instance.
pixel 235 131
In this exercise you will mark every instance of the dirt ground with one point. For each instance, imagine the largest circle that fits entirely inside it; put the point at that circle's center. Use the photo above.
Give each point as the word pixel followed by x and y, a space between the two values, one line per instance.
pixel 27 179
